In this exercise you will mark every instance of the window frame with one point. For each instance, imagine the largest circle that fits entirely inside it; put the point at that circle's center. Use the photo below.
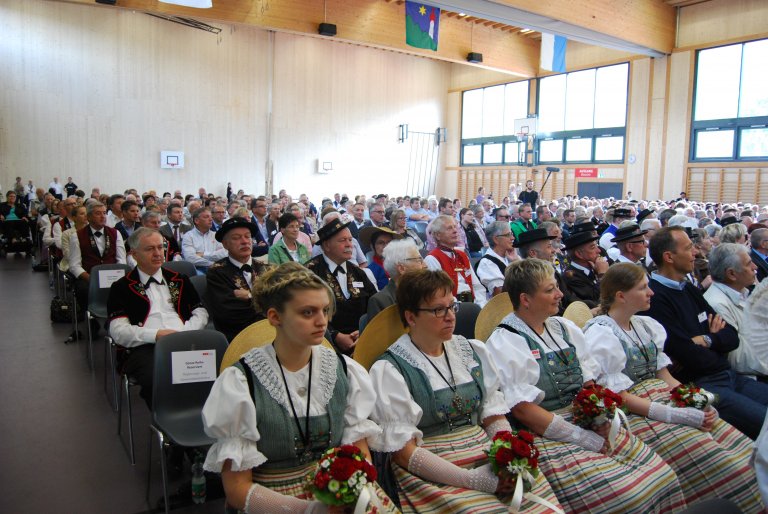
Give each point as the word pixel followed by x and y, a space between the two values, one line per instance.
pixel 738 124
pixel 593 133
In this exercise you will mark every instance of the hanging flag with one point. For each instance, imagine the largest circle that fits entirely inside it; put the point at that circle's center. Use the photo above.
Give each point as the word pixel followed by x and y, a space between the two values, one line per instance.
pixel 422 23
pixel 201 4
pixel 553 52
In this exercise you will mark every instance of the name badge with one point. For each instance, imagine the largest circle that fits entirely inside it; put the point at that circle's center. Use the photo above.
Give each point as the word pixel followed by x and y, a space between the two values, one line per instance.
pixel 702 317
pixel 536 354
pixel 358 284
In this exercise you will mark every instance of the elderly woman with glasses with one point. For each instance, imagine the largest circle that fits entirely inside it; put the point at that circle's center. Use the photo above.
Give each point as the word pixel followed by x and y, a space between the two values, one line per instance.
pixel 543 363
pixel 438 405
pixel 491 267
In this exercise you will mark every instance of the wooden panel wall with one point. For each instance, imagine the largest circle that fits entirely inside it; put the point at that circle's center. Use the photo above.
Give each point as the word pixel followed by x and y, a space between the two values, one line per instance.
pixel 728 183
pixel 498 180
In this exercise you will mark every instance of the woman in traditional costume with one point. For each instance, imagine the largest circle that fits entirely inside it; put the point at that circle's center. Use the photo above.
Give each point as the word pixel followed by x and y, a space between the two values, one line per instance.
pixel 543 364
pixel 281 406
pixel 439 405
pixel 629 351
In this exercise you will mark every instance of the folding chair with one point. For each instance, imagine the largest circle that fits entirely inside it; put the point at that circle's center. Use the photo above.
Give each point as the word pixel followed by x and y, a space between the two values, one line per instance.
pixel 98 293
pixel 177 407
pixel 200 282
pixel 183 267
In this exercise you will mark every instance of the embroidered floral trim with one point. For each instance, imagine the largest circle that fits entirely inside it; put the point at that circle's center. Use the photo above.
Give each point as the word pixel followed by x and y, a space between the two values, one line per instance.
pixel 459 346
pixel 264 368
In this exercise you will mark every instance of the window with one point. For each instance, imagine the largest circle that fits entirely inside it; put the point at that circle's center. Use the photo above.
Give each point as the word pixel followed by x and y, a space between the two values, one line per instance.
pixel 730 108
pixel 488 124
pixel 586 111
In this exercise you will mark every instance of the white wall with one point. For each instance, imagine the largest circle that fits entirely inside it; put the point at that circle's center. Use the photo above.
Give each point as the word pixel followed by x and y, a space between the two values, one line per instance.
pixel 97 93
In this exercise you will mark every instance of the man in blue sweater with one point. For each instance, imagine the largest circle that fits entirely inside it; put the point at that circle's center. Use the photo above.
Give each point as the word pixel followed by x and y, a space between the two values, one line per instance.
pixel 698 340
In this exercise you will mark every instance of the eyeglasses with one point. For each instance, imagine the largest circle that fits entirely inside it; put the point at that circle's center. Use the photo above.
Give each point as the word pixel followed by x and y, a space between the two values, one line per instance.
pixel 441 312
pixel 419 259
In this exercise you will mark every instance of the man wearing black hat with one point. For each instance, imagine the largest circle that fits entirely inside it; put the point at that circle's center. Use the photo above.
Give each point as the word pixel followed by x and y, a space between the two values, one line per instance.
pixel 586 266
pixel 228 294
pixel 350 285
pixel 615 217
pixel 631 243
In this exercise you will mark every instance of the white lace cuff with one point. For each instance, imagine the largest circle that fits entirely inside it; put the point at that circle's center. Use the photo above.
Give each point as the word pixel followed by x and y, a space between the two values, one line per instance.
pixel 394 436
pixel 243 453
pixel 364 430
pixel 615 381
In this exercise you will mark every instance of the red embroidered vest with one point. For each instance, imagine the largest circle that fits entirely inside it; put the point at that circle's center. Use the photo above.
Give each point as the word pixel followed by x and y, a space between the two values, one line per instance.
pixel 91 258
pixel 454 266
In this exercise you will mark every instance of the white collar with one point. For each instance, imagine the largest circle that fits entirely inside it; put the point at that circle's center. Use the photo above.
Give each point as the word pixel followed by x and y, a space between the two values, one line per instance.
pixel 332 265
pixel 144 277
pixel 491 253
pixel 578 266
pixel 237 264
pixel 737 297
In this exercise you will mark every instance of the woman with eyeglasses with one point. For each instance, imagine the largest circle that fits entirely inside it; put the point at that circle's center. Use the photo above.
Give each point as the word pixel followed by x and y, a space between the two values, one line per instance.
pixel 710 457
pixel 438 405
pixel 281 406
pixel 543 363
pixel 398 223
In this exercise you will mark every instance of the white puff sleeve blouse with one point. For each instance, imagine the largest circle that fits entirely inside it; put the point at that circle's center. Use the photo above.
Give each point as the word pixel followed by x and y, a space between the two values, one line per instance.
pixel 517 366
pixel 230 416
pixel 602 336
pixel 398 414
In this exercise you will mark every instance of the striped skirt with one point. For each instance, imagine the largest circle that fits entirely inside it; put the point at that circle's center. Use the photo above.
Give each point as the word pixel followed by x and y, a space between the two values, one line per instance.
pixel 708 465
pixel 632 479
pixel 465 448
pixel 292 482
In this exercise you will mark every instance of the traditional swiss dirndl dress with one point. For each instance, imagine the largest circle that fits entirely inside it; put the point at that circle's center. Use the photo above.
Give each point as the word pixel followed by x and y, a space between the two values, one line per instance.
pixel 632 479
pixel 414 401
pixel 708 466
pixel 250 416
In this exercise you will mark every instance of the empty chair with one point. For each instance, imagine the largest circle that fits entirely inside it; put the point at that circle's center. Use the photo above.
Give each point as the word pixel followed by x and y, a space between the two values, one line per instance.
pixel 177 402
pixel 102 277
pixel 185 267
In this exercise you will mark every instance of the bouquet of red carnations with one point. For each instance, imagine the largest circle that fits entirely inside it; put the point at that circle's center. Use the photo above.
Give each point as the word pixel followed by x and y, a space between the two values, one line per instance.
pixel 513 454
pixel 595 405
pixel 342 474
pixel 690 395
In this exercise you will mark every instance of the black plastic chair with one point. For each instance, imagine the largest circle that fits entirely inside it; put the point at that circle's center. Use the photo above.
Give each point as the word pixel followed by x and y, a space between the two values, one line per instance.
pixel 177 408
pixel 200 282
pixel 183 267
pixel 97 301
pixel 466 319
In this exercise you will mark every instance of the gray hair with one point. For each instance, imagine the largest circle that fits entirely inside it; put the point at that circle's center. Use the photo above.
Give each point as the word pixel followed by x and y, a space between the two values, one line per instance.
pixel 713 230
pixel 679 220
pixel 493 230
pixel 439 223
pixel 134 240
pixel 196 214
pixel 724 257
pixel 89 208
pixel 148 215
pixel 396 252
pixel 758 236
pixel 731 233
pixel 650 223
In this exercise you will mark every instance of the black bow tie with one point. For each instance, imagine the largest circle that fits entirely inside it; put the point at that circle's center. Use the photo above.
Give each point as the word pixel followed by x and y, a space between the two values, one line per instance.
pixel 338 270
pixel 153 280
pixel 246 268
pixel 97 234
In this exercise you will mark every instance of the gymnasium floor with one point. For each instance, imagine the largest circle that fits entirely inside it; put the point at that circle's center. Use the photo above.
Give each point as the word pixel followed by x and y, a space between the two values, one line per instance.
pixel 59 448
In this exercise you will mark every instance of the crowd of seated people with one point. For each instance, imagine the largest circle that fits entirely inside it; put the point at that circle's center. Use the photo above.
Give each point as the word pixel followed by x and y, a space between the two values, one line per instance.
pixel 676 289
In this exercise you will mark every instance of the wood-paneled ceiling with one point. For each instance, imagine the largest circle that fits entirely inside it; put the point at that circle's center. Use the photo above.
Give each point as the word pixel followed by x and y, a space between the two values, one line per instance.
pixel 498 29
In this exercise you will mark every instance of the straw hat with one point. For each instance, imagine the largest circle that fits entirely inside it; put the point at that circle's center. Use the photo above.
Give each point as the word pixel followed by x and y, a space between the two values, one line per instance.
pixel 383 330
pixel 579 313
pixel 491 315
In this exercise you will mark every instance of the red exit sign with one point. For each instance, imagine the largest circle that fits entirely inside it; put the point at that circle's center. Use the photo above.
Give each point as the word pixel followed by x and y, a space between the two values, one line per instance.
pixel 586 172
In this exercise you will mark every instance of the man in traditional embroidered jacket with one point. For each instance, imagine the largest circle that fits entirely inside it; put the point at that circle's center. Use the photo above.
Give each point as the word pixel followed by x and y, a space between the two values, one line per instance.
pixel 350 285
pixel 148 304
pixel 230 280
pixel 95 244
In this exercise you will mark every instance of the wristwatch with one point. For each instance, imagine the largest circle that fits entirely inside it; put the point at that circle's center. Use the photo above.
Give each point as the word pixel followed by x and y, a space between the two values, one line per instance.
pixel 707 340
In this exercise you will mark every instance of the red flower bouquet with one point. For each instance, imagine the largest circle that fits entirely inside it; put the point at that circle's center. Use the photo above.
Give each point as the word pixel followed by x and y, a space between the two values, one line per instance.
pixel 341 476
pixel 513 454
pixel 595 405
pixel 690 395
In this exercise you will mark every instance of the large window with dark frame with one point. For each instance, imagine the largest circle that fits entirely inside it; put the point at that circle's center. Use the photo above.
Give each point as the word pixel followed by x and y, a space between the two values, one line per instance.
pixel 730 105
pixel 583 116
pixel 488 124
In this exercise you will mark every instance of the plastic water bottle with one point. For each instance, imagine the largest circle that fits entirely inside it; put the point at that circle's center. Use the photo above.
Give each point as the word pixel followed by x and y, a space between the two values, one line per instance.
pixel 198 480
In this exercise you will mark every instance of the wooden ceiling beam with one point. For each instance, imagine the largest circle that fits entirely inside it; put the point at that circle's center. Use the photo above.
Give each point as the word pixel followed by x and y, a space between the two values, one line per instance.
pixel 369 23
